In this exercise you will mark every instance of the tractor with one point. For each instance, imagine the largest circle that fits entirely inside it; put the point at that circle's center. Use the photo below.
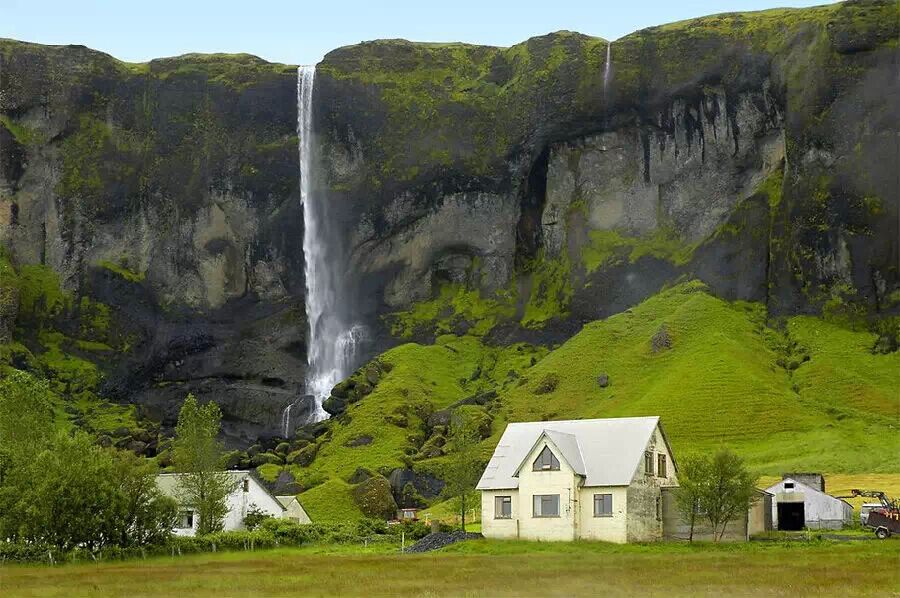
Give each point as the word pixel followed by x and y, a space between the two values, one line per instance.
pixel 884 520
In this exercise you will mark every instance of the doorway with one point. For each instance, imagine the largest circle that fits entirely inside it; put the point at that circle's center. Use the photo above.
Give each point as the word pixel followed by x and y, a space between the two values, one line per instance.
pixel 791 516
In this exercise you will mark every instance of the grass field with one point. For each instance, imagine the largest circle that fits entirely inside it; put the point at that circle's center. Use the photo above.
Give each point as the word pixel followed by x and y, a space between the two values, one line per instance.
pixel 486 568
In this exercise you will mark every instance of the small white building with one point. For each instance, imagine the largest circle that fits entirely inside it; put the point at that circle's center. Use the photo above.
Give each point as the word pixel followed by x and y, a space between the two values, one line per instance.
pixel 597 479
pixel 248 493
pixel 797 504
pixel 293 510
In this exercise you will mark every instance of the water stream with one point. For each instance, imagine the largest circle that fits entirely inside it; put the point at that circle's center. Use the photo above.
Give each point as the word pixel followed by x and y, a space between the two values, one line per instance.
pixel 333 341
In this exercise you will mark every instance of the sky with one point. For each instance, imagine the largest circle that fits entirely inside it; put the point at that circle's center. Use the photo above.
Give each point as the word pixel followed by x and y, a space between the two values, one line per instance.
pixel 302 32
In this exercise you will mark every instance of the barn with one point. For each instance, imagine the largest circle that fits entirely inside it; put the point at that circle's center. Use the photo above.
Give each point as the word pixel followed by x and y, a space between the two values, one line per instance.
pixel 801 502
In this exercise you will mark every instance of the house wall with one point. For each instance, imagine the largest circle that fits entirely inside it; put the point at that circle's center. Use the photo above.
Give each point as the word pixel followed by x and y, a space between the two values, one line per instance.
pixel 820 510
pixel 563 482
pixel 760 514
pixel 607 529
pixel 491 527
pixel 644 502
pixel 239 502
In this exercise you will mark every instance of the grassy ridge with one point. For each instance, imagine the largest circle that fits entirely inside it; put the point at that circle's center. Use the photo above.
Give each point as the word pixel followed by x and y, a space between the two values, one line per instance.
pixel 721 382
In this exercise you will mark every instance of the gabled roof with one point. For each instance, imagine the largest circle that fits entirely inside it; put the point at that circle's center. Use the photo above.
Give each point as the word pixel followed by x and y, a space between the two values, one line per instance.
pixel 567 445
pixel 168 483
pixel 607 451
pixel 773 489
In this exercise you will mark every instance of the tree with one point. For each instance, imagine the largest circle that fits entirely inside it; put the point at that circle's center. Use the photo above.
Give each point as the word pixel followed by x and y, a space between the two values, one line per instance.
pixel 145 516
pixel 200 457
pixel 255 517
pixel 693 476
pixel 726 489
pixel 464 463
pixel 26 418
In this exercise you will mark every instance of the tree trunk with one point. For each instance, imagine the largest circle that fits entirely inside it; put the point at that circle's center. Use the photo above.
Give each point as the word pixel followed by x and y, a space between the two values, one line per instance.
pixel 691 534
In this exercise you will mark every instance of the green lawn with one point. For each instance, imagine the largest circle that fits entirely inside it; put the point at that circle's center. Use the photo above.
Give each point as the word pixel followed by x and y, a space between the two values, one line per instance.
pixel 487 568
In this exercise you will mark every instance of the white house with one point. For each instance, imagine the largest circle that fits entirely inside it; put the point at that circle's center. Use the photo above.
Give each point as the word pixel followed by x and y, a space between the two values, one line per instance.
pixel 597 479
pixel 248 493
pixel 798 504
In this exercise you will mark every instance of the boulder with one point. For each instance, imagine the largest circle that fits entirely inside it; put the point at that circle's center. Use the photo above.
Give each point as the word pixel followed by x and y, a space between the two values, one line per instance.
pixel 603 380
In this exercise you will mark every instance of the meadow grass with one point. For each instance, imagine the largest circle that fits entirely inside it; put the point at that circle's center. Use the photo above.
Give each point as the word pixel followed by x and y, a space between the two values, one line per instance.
pixel 487 568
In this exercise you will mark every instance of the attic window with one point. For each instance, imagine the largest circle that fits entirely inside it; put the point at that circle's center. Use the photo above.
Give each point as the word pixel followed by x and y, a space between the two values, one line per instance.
pixel 546 461
pixel 648 463
pixel 789 485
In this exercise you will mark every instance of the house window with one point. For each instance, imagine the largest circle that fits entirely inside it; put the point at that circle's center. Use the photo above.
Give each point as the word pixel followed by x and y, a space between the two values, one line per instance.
pixel 546 461
pixel 546 505
pixel 502 507
pixel 246 485
pixel 648 463
pixel 603 505
pixel 661 465
pixel 789 485
pixel 185 520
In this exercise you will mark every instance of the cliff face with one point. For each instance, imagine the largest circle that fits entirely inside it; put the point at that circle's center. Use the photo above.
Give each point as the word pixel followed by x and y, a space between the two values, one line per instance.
pixel 563 178
pixel 741 148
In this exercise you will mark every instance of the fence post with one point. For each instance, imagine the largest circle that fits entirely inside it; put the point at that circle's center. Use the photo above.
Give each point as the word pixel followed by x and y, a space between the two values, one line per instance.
pixel 402 541
pixel 50 557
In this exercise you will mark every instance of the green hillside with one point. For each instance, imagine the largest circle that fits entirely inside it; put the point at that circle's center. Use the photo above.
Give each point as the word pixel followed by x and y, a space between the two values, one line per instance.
pixel 805 395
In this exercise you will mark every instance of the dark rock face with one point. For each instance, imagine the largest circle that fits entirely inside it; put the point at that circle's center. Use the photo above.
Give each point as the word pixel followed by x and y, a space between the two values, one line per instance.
pixel 426 485
pixel 756 152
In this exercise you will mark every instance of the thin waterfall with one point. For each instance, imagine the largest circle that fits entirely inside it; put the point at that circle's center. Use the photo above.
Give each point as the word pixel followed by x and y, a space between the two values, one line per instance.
pixel 607 70
pixel 333 342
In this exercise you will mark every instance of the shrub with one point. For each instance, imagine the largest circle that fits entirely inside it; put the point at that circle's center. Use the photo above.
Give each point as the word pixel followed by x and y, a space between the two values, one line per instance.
pixel 375 499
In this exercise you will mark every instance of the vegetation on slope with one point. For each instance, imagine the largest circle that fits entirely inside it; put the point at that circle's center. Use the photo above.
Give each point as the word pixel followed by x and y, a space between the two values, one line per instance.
pixel 807 395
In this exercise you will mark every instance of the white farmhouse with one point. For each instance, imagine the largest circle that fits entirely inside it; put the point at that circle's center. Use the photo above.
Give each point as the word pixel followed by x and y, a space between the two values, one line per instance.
pixel 596 479
pixel 248 493
pixel 800 502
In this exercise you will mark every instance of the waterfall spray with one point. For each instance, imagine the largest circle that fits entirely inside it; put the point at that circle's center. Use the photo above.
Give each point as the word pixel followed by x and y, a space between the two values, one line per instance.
pixel 333 342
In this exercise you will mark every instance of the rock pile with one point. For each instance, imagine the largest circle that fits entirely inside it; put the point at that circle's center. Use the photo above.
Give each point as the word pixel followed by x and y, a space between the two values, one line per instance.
pixel 441 539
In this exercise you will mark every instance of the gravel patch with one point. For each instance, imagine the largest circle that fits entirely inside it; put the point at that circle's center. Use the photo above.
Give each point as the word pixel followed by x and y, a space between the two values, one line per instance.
pixel 441 539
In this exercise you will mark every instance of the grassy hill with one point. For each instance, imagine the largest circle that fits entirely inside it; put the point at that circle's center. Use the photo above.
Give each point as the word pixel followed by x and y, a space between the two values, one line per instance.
pixel 807 394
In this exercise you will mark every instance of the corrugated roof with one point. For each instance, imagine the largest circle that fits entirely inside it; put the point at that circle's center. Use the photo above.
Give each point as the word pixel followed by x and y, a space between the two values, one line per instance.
pixel 609 450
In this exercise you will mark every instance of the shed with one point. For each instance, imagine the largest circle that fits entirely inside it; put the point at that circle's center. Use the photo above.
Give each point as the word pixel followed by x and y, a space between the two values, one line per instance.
pixel 798 505
pixel 756 520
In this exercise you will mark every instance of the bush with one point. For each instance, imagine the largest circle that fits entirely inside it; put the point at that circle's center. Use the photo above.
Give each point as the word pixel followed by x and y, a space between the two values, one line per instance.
pixel 374 498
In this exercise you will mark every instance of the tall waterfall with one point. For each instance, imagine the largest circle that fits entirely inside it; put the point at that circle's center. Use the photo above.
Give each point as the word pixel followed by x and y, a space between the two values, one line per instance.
pixel 607 70
pixel 333 342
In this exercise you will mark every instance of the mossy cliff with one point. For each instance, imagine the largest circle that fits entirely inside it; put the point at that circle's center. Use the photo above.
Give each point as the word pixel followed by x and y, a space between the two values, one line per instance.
pixel 168 193
pixel 692 120
pixel 505 194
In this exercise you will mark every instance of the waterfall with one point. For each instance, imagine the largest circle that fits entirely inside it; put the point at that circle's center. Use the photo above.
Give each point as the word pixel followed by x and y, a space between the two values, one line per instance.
pixel 333 342
pixel 607 71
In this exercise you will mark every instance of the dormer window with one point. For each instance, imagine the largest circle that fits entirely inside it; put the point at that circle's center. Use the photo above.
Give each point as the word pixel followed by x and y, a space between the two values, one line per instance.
pixel 546 461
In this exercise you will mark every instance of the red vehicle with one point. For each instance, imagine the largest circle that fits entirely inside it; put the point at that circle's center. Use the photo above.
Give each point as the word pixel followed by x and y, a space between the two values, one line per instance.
pixel 884 520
